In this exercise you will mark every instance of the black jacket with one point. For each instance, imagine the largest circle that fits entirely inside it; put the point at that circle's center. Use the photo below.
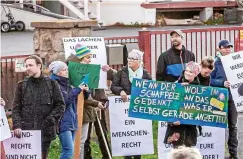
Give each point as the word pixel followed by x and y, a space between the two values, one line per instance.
pixel 121 81
pixel 188 133
pixel 205 81
pixel 169 67
pixel 38 105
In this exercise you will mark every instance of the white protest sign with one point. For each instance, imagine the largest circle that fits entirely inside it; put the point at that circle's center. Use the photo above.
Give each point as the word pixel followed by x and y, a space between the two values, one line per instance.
pixel 26 147
pixel 98 50
pixel 129 136
pixel 19 65
pixel 4 127
pixel 233 66
pixel 211 144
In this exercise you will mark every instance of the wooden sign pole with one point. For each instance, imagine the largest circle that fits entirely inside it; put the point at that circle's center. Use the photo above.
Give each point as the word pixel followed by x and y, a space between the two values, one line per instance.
pixel 78 135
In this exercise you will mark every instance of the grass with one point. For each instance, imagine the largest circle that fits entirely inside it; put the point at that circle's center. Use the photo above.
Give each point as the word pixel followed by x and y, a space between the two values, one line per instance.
pixel 55 148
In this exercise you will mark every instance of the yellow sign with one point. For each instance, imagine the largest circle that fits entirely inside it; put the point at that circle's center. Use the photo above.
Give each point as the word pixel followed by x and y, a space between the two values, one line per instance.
pixel 241 34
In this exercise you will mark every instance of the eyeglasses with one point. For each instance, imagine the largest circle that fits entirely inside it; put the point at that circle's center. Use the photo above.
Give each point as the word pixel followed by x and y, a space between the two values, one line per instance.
pixel 131 59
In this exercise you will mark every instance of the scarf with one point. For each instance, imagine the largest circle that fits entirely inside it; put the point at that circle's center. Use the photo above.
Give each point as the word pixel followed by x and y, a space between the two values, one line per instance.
pixel 135 74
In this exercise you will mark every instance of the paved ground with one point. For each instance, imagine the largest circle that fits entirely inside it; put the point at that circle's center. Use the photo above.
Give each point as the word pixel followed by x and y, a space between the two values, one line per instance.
pixel 21 43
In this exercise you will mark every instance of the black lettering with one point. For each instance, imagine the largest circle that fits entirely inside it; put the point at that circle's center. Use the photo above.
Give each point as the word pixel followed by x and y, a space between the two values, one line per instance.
pixel 130 133
pixel 129 122
pixel 131 144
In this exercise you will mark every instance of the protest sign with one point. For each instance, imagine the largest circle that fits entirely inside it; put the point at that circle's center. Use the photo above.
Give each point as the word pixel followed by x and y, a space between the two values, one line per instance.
pixel 98 50
pixel 233 66
pixel 78 72
pixel 4 127
pixel 129 136
pixel 190 104
pixel 211 144
pixel 28 146
pixel 19 65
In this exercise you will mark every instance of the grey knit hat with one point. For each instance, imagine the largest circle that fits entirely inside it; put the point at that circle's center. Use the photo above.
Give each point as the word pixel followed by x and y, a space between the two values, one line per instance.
pixel 57 66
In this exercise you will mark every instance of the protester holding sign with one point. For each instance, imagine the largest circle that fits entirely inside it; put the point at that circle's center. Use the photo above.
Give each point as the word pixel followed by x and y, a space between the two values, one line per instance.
pixel 207 66
pixel 172 62
pixel 179 134
pixel 83 55
pixel 69 123
pixel 38 104
pixel 122 81
pixel 2 151
pixel 219 79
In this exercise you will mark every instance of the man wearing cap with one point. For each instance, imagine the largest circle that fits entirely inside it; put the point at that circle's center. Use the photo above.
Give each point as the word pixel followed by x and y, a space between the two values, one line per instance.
pixel 172 62
pixel 218 79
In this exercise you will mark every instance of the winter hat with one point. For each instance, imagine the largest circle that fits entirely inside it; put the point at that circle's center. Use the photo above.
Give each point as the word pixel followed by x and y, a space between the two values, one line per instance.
pixel 82 51
pixel 57 66
pixel 136 54
pixel 195 67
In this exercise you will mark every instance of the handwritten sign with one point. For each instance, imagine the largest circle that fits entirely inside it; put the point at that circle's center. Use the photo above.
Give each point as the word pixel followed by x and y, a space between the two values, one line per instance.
pixel 4 127
pixel 233 67
pixel 28 146
pixel 19 65
pixel 211 144
pixel 78 71
pixel 98 50
pixel 191 104
pixel 129 136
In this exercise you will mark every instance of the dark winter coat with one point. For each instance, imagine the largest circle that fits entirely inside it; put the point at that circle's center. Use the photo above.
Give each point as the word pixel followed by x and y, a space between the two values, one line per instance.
pixel 38 105
pixel 188 133
pixel 170 66
pixel 205 81
pixel 121 81
pixel 69 120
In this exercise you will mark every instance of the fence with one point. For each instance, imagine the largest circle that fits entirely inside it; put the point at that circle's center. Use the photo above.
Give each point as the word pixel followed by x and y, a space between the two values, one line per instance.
pixel 202 42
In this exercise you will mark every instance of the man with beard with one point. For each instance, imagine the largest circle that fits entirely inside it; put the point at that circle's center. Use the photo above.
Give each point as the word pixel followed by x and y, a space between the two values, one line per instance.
pixel 38 104
pixel 172 62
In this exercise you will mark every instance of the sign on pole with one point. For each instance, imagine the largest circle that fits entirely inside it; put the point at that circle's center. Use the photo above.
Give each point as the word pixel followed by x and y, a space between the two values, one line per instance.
pixel 4 127
pixel 233 67
pixel 211 144
pixel 98 50
pixel 190 104
pixel 129 136
pixel 28 146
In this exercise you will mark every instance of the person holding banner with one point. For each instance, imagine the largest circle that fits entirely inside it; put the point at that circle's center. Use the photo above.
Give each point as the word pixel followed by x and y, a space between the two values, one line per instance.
pixel 179 134
pixel 69 123
pixel 122 81
pixel 207 66
pixel 83 55
pixel 172 62
pixel 38 104
pixel 2 151
pixel 219 79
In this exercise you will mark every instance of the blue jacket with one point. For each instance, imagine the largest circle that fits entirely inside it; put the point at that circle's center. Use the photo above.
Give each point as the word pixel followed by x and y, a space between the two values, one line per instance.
pixel 69 120
pixel 218 76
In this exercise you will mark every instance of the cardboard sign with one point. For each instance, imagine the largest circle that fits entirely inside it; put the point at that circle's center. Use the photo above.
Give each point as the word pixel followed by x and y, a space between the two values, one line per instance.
pixel 129 136
pixel 233 67
pixel 79 73
pixel 28 146
pixel 4 127
pixel 190 104
pixel 98 50
pixel 211 144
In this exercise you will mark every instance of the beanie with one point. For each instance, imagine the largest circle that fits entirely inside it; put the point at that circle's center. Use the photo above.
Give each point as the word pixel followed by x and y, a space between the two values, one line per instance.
pixel 195 67
pixel 57 66
pixel 81 51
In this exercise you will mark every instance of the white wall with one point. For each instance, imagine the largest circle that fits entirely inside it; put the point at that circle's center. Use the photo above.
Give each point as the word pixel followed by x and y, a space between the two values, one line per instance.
pixel 125 11
pixel 26 17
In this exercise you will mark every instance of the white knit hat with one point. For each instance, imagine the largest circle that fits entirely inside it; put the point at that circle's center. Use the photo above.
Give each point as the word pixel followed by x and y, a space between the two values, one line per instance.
pixel 57 66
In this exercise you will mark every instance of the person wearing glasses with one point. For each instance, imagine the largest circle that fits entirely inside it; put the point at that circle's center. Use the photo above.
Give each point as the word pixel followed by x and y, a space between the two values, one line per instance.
pixel 219 79
pixel 122 81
